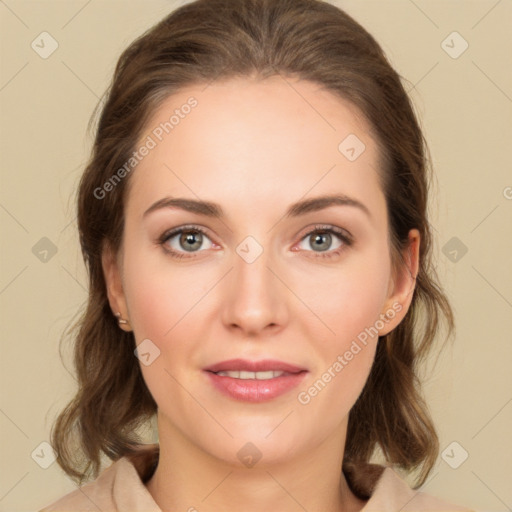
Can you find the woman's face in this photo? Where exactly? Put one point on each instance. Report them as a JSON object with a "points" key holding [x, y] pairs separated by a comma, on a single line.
{"points": [[273, 275]]}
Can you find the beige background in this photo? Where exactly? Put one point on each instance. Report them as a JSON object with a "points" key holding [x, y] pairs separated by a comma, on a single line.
{"points": [[465, 104]]}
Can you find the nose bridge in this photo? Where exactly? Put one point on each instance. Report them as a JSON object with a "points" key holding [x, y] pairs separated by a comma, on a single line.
{"points": [[252, 277], [256, 298]]}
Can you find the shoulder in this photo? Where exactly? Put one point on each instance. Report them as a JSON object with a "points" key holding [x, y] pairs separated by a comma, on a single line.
{"points": [[95, 495], [119, 488], [392, 492], [386, 491]]}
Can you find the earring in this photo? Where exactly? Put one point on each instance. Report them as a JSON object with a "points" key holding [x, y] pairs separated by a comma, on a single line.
{"points": [[120, 319]]}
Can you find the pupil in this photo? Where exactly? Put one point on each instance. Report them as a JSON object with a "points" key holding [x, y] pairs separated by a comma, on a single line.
{"points": [[188, 237], [326, 237]]}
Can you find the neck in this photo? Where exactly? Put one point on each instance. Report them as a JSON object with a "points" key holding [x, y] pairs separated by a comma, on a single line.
{"points": [[190, 479]]}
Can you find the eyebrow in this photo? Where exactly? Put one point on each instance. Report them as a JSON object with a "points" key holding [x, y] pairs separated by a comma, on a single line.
{"points": [[214, 210]]}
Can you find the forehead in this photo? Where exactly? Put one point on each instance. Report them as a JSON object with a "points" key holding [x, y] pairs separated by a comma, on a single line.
{"points": [[256, 139]]}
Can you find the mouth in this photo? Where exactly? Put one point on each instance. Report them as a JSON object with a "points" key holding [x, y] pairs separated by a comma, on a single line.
{"points": [[254, 381], [244, 375]]}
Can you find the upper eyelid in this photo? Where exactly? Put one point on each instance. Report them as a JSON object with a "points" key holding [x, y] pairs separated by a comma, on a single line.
{"points": [[187, 227], [325, 227]]}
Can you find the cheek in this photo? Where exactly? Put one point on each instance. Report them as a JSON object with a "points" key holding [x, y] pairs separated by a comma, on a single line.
{"points": [[345, 352], [159, 300], [346, 306], [345, 300], [158, 295], [164, 305]]}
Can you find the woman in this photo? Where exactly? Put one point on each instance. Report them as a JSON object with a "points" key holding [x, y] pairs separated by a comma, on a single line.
{"points": [[253, 220]]}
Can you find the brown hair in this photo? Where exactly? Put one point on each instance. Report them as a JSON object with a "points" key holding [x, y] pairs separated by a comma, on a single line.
{"points": [[208, 40]]}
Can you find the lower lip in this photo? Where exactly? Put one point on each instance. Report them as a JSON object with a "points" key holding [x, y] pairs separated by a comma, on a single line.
{"points": [[253, 390]]}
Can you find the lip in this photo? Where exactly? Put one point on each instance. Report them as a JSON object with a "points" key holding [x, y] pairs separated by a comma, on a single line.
{"points": [[254, 390], [254, 366]]}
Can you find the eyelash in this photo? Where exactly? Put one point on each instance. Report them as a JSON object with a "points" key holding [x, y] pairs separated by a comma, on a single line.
{"points": [[341, 234]]}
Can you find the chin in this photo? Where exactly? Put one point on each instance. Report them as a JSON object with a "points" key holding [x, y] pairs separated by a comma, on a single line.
{"points": [[258, 443]]}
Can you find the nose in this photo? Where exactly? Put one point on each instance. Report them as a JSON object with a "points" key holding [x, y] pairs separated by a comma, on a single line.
{"points": [[255, 300]]}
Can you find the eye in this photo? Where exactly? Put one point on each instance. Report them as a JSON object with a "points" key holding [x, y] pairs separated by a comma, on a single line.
{"points": [[321, 239], [184, 241], [187, 239]]}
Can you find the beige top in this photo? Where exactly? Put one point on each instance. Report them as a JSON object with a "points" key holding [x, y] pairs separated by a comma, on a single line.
{"points": [[120, 488]]}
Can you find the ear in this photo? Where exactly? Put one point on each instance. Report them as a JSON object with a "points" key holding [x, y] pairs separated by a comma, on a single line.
{"points": [[112, 271], [401, 285]]}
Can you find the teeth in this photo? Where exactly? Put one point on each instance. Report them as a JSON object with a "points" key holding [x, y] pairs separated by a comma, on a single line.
{"points": [[251, 375]]}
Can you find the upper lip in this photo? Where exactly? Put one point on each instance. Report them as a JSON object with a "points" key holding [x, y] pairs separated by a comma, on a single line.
{"points": [[254, 366]]}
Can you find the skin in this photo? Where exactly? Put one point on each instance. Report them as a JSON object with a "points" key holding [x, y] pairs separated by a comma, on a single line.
{"points": [[256, 147]]}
